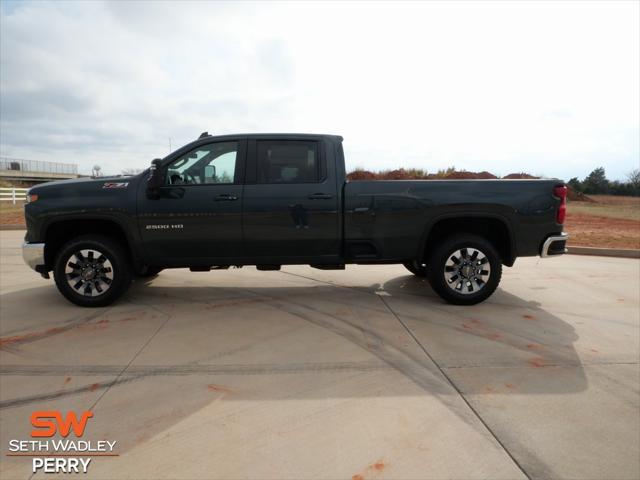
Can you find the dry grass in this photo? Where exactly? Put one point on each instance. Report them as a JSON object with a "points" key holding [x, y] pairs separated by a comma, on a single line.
{"points": [[608, 206], [11, 214], [611, 221]]}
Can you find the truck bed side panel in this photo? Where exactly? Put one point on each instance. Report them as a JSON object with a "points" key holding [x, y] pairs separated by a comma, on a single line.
{"points": [[396, 216]]}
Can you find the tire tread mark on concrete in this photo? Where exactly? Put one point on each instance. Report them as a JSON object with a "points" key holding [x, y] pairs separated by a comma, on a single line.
{"points": [[117, 379], [10, 342], [544, 365], [406, 363], [493, 301], [455, 387], [18, 402], [231, 369]]}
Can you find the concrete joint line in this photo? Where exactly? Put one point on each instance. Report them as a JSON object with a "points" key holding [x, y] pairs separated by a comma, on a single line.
{"points": [[454, 386], [115, 381], [442, 372]]}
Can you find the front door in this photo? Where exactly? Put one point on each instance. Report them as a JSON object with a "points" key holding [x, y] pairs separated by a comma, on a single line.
{"points": [[198, 218]]}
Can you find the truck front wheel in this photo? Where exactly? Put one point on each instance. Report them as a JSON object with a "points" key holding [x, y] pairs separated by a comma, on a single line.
{"points": [[464, 269], [92, 270]]}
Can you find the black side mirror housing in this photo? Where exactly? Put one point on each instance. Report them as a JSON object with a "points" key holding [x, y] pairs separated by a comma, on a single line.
{"points": [[155, 179]]}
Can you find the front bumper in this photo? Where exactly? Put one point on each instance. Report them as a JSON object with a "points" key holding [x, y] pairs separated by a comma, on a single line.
{"points": [[554, 245], [33, 255]]}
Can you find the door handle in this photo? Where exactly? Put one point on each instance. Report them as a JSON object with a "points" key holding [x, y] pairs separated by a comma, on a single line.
{"points": [[225, 197], [320, 196]]}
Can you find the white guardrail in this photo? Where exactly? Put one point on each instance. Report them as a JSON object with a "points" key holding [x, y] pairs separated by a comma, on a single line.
{"points": [[14, 195]]}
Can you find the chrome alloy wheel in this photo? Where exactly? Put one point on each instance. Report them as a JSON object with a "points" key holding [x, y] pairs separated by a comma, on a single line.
{"points": [[89, 272], [467, 271]]}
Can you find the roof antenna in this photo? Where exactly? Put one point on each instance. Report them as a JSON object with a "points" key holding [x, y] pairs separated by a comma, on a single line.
{"points": [[203, 135]]}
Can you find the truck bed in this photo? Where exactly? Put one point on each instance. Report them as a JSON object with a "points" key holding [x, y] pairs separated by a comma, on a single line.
{"points": [[389, 219]]}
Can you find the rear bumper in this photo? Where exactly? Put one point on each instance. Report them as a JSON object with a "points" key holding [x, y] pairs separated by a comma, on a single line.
{"points": [[33, 255], [554, 245]]}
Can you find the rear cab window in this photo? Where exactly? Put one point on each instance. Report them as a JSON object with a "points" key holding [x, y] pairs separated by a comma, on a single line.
{"points": [[287, 161]]}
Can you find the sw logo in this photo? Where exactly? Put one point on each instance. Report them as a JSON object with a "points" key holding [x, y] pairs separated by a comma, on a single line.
{"points": [[60, 455], [47, 423]]}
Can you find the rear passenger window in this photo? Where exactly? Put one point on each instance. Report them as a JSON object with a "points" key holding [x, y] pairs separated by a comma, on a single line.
{"points": [[285, 161]]}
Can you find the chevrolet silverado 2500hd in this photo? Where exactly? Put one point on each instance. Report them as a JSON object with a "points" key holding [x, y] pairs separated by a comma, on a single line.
{"points": [[281, 199]]}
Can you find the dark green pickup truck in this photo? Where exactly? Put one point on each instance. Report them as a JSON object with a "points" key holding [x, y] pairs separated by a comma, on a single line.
{"points": [[281, 199]]}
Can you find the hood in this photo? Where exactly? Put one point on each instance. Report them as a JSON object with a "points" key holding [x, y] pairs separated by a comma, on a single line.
{"points": [[86, 183]]}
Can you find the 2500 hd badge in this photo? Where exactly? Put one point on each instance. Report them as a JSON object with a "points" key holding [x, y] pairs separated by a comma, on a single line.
{"points": [[164, 226]]}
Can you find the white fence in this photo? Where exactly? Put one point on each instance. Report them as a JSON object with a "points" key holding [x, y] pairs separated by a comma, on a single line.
{"points": [[14, 195]]}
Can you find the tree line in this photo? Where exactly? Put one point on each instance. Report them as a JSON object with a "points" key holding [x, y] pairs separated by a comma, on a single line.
{"points": [[598, 183]]}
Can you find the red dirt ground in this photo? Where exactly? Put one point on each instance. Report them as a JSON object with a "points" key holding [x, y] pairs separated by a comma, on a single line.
{"points": [[605, 232], [13, 215]]}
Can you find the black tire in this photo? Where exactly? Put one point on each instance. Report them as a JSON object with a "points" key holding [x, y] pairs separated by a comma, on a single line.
{"points": [[150, 272], [91, 274], [416, 268], [459, 278]]}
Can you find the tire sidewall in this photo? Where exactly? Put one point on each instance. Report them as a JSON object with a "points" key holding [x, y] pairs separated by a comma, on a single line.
{"points": [[442, 254], [114, 253]]}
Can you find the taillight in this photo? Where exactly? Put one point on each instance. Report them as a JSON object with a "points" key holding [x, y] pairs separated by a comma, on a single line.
{"points": [[561, 193]]}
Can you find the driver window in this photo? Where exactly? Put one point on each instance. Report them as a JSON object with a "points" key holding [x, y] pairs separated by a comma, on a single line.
{"points": [[214, 163]]}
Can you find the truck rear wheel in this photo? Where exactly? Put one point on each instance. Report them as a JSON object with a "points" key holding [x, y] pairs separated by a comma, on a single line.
{"points": [[418, 269], [92, 271], [464, 269]]}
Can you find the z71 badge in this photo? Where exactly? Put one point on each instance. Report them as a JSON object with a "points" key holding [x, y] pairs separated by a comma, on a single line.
{"points": [[116, 185]]}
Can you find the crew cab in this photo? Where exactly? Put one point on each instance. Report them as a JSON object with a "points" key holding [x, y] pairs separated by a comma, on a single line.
{"points": [[280, 199]]}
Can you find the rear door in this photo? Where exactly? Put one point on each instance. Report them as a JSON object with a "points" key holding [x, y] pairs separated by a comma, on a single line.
{"points": [[198, 218], [290, 210]]}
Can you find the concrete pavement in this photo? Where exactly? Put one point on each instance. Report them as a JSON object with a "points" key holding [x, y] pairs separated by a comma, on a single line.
{"points": [[361, 374]]}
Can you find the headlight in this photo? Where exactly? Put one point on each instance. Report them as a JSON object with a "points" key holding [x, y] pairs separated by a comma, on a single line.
{"points": [[31, 197]]}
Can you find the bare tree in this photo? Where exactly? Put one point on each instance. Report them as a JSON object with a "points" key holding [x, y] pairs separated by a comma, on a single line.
{"points": [[634, 177]]}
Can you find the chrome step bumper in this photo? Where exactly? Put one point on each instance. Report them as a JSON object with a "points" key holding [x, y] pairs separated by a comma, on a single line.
{"points": [[33, 255], [554, 245]]}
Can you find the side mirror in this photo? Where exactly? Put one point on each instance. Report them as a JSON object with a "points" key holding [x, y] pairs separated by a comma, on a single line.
{"points": [[210, 172], [155, 179]]}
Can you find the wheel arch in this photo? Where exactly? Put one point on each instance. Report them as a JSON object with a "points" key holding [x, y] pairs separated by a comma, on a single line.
{"points": [[59, 231], [495, 228]]}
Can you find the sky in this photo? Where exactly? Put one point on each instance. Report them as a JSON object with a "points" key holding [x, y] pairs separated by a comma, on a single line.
{"points": [[548, 88]]}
